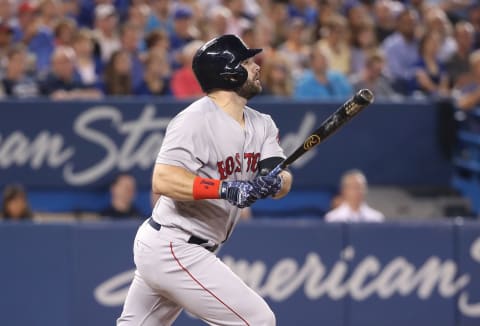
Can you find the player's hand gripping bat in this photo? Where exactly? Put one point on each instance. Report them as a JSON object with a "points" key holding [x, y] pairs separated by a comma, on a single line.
{"points": [[344, 113]]}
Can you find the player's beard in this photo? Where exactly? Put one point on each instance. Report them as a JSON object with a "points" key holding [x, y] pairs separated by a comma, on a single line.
{"points": [[249, 89]]}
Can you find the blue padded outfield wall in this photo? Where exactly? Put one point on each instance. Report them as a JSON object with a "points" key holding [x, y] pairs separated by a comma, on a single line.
{"points": [[81, 145], [67, 153], [311, 273]]}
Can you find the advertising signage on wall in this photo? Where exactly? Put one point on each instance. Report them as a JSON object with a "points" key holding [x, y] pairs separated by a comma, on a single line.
{"points": [[311, 273], [83, 144]]}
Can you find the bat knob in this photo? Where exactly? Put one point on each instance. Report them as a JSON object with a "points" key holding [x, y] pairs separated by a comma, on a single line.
{"points": [[364, 97]]}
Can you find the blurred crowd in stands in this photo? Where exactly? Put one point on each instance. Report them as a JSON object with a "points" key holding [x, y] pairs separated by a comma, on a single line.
{"points": [[313, 49]]}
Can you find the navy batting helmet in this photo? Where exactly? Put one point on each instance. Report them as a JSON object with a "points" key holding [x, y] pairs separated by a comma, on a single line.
{"points": [[217, 64]]}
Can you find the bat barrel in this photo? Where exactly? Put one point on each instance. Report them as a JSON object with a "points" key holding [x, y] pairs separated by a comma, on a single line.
{"points": [[348, 110], [363, 97]]}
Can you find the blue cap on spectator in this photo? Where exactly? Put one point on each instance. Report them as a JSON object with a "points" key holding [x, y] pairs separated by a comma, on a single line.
{"points": [[183, 12]]}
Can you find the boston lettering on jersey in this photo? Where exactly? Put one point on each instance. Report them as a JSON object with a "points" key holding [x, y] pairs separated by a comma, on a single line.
{"points": [[233, 164]]}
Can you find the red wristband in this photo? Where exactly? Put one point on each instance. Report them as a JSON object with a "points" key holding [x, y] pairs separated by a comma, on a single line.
{"points": [[204, 188]]}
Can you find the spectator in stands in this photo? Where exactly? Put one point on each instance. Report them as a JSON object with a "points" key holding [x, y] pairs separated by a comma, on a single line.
{"points": [[372, 77], [320, 82], [457, 66], [384, 19], [302, 9], [184, 84], [277, 15], [363, 43], [276, 76], [64, 32], [157, 41], [335, 45], [15, 204], [436, 21], [49, 13], [130, 39], [6, 37], [421, 7], [219, 18], [35, 35], [456, 10], [7, 11], [156, 77], [118, 74], [431, 76], [295, 49], [16, 82], [357, 15], [105, 33], [326, 10], [353, 207], [138, 15], [468, 96], [249, 36], [238, 21], [474, 19], [401, 52], [70, 9], [87, 66], [184, 30], [160, 16], [122, 196], [62, 83]]}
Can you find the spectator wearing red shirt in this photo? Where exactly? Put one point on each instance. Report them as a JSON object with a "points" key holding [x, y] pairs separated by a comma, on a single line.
{"points": [[184, 84]]}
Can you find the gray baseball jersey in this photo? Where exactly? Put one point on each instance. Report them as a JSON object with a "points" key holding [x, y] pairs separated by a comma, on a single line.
{"points": [[210, 143]]}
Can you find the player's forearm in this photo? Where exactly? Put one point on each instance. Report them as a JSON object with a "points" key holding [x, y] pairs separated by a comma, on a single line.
{"points": [[172, 181], [286, 185]]}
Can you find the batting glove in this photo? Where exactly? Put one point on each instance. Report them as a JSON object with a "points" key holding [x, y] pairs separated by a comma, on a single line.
{"points": [[267, 185], [238, 193]]}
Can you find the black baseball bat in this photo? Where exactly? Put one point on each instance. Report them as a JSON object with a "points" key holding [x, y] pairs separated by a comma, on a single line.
{"points": [[342, 115]]}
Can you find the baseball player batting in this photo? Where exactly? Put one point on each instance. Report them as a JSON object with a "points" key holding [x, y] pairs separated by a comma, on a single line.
{"points": [[206, 170]]}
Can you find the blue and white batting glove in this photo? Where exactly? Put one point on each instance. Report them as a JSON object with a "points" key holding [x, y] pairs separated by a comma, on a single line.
{"points": [[267, 185], [238, 193]]}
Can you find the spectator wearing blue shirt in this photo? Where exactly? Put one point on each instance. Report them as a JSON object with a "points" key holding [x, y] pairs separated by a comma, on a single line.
{"points": [[401, 52], [304, 10], [182, 33], [320, 82], [160, 16], [37, 36], [183, 20]]}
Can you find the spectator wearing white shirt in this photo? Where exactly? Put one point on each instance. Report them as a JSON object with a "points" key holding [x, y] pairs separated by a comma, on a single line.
{"points": [[105, 33], [353, 207]]}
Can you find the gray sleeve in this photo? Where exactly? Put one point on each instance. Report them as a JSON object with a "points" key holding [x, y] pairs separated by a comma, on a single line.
{"points": [[271, 146], [183, 145]]}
